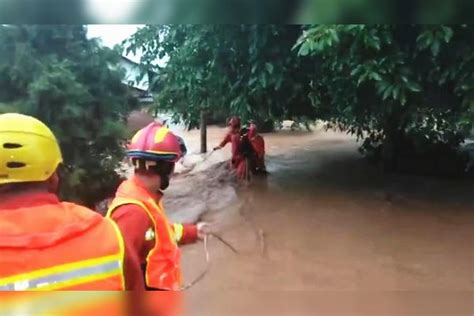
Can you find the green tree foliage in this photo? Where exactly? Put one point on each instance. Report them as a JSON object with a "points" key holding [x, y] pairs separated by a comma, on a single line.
{"points": [[404, 88], [192, 80], [74, 85], [407, 90], [246, 70]]}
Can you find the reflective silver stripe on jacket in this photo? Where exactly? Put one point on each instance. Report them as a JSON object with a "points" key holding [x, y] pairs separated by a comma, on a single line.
{"points": [[62, 277]]}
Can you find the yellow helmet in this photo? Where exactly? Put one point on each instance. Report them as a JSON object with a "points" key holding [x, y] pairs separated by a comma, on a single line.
{"points": [[29, 151]]}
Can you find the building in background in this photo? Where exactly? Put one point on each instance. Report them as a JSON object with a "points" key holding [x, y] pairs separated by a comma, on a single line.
{"points": [[139, 86]]}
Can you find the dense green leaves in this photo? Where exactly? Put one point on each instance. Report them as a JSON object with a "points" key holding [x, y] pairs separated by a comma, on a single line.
{"points": [[433, 37], [249, 70], [393, 85], [71, 83]]}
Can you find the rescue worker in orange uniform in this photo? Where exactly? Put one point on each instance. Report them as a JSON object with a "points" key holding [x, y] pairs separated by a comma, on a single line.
{"points": [[258, 145], [46, 244], [233, 136], [138, 209]]}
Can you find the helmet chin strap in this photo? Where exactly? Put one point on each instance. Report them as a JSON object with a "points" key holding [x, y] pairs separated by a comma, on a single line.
{"points": [[165, 182]]}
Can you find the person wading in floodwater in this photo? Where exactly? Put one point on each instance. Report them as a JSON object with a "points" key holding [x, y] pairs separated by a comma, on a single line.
{"points": [[237, 162], [258, 146]]}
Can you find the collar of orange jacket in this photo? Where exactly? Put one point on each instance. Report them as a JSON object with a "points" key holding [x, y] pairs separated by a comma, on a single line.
{"points": [[27, 199], [34, 220], [156, 196]]}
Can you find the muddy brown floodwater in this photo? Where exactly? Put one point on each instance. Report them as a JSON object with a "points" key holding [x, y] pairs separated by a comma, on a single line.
{"points": [[324, 221]]}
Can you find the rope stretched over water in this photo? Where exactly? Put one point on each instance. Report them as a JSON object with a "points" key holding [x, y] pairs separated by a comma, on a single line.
{"points": [[188, 170], [206, 270], [226, 243], [259, 232], [208, 259]]}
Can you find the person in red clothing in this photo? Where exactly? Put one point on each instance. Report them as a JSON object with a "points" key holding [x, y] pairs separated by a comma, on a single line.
{"points": [[233, 136], [258, 145], [40, 235], [138, 209]]}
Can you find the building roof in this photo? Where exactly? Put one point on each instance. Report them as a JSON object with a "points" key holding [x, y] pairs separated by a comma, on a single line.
{"points": [[132, 73]]}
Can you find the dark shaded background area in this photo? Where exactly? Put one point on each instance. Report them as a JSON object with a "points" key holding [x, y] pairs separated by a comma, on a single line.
{"points": [[240, 11]]}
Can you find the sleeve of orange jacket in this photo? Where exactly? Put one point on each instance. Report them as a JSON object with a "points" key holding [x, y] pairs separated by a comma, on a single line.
{"points": [[133, 224], [185, 233], [225, 141]]}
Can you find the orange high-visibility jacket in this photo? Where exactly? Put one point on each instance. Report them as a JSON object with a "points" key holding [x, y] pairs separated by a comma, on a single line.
{"points": [[64, 303], [162, 263], [91, 303], [59, 246]]}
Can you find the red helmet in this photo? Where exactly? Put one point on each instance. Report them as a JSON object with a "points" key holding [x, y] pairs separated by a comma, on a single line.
{"points": [[234, 121], [155, 143]]}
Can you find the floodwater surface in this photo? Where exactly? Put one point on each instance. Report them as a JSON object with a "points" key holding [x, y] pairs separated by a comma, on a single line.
{"points": [[324, 220]]}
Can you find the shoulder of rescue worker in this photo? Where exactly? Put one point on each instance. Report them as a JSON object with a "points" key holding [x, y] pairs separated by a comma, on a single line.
{"points": [[79, 209], [127, 210], [129, 207]]}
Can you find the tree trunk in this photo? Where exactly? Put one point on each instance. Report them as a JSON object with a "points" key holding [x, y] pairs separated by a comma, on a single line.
{"points": [[203, 128]]}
